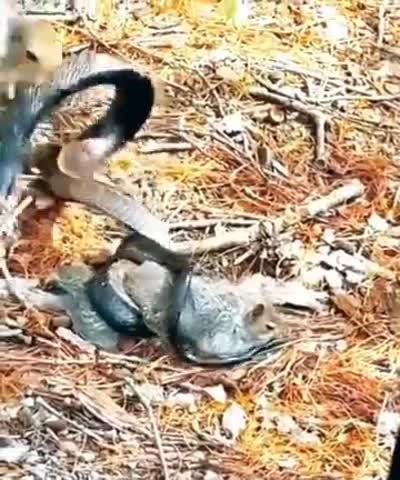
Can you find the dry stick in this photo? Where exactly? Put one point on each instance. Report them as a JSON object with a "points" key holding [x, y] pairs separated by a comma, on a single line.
{"points": [[241, 237], [11, 287], [381, 25], [156, 431], [107, 418], [210, 222], [74, 424], [318, 117], [128, 361], [11, 217], [6, 229], [350, 191], [337, 81], [167, 147], [366, 97]]}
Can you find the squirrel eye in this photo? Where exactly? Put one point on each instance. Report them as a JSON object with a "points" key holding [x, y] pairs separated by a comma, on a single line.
{"points": [[31, 57]]}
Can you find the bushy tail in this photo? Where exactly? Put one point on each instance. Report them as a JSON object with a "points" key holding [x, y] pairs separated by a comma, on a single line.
{"points": [[130, 108]]}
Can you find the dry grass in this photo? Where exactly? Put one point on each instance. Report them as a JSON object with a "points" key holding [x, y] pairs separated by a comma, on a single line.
{"points": [[336, 395]]}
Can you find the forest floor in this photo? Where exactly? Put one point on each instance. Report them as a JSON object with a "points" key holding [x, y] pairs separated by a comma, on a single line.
{"points": [[259, 120]]}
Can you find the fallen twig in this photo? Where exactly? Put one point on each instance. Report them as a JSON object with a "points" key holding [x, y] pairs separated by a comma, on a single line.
{"points": [[167, 147], [157, 435], [381, 26], [244, 236], [11, 287], [341, 195], [319, 118], [74, 424], [7, 230], [210, 222], [104, 411]]}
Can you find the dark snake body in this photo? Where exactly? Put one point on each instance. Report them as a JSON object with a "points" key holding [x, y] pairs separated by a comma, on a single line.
{"points": [[29, 117]]}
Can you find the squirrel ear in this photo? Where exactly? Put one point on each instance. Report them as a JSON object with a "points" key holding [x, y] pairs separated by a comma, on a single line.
{"points": [[264, 316], [257, 311]]}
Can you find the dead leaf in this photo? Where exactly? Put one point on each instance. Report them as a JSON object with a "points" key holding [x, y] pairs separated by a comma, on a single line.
{"points": [[154, 394], [277, 114], [347, 304], [70, 447], [217, 393], [75, 340], [12, 451]]}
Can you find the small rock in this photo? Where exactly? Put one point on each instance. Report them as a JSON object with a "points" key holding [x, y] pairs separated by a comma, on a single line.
{"points": [[355, 278], [69, 447], [217, 393], [341, 345], [234, 420], [154, 394], [336, 28], [377, 223], [231, 124], [288, 463], [88, 457], [334, 279], [39, 472], [307, 438], [12, 451], [313, 277], [286, 424], [388, 422], [229, 74], [276, 115], [211, 475], [183, 400]]}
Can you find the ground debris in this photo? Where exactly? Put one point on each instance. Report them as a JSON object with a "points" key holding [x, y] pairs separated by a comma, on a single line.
{"points": [[277, 158]]}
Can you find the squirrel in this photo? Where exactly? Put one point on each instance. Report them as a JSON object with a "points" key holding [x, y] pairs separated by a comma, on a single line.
{"points": [[149, 289], [205, 320]]}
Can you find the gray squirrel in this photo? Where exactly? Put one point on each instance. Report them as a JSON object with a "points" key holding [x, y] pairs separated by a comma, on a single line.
{"points": [[147, 289]]}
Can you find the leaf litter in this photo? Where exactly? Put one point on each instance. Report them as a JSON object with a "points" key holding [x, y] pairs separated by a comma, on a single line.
{"points": [[278, 155]]}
